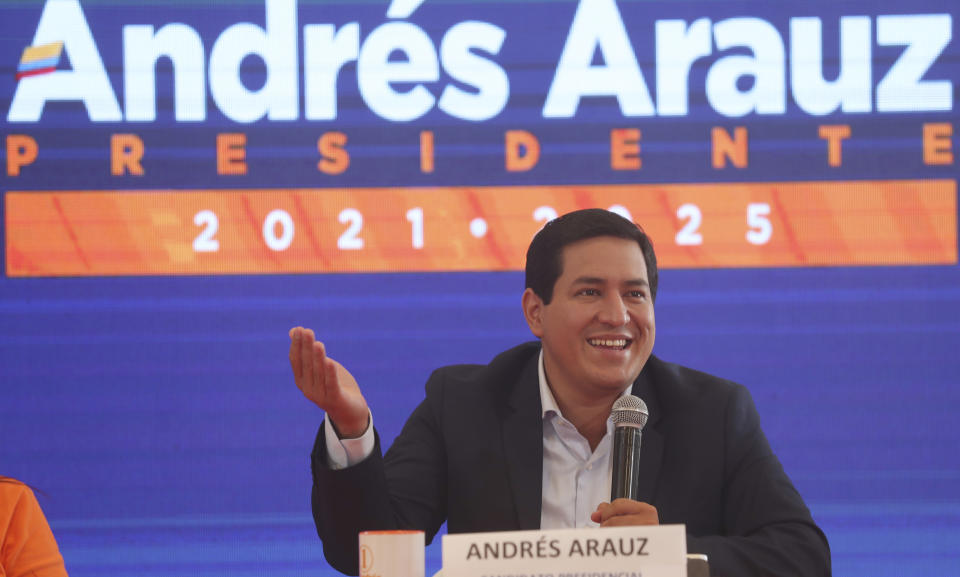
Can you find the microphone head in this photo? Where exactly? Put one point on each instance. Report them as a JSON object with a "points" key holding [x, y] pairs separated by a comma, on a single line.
{"points": [[629, 411]]}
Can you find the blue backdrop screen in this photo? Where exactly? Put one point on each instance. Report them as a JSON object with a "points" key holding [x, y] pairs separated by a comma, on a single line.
{"points": [[185, 182]]}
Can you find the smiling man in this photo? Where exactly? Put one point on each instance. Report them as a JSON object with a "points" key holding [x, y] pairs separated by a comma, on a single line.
{"points": [[524, 442], [596, 327]]}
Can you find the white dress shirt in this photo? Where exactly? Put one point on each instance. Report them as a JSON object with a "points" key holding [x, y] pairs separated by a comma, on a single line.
{"points": [[575, 479]]}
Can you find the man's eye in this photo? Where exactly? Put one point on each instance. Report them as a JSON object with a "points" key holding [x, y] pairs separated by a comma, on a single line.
{"points": [[638, 294], [590, 292]]}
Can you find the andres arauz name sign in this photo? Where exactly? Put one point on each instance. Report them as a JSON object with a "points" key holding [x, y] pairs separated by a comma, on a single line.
{"points": [[658, 551]]}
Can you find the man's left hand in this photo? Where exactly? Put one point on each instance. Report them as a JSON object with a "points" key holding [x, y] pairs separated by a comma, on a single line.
{"points": [[625, 512]]}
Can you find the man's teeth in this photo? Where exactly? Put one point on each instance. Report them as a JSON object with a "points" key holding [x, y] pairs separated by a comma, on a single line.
{"points": [[618, 343]]}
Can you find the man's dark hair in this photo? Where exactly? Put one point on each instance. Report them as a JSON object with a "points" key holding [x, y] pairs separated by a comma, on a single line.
{"points": [[545, 254]]}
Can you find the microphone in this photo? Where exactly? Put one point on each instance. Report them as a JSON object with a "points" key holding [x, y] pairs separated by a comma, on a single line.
{"points": [[629, 415]]}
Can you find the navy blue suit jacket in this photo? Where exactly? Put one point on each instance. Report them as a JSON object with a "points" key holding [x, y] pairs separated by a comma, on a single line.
{"points": [[471, 454]]}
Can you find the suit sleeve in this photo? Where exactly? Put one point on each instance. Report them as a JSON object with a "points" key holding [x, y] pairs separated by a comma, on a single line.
{"points": [[768, 530], [404, 489]]}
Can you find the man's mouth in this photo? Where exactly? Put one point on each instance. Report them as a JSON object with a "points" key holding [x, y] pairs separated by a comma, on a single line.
{"points": [[611, 344]]}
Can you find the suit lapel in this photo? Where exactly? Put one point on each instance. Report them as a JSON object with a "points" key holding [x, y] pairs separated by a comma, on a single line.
{"points": [[522, 428], [651, 444]]}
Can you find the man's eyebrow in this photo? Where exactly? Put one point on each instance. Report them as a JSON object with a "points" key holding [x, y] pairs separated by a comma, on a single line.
{"points": [[589, 280], [599, 280]]}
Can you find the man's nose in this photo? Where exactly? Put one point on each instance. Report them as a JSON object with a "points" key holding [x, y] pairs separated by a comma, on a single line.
{"points": [[613, 311]]}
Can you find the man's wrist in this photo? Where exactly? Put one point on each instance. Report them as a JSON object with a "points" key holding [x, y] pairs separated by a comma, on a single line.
{"points": [[354, 433], [345, 452]]}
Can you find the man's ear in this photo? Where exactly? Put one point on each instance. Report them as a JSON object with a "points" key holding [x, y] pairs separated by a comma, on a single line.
{"points": [[533, 312]]}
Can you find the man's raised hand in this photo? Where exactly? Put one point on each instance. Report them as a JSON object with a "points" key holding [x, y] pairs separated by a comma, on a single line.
{"points": [[325, 382]]}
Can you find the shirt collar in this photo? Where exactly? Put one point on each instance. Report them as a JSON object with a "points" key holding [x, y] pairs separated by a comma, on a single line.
{"points": [[547, 401]]}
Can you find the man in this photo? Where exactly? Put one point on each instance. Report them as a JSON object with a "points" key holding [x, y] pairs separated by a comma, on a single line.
{"points": [[524, 442]]}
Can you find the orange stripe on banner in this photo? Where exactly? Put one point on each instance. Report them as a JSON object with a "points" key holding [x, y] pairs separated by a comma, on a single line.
{"points": [[788, 233], [103, 233]]}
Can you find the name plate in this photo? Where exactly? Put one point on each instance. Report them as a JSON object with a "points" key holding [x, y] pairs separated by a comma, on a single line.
{"points": [[649, 551]]}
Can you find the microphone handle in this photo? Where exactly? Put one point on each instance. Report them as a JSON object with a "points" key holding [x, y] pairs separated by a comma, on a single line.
{"points": [[626, 462]]}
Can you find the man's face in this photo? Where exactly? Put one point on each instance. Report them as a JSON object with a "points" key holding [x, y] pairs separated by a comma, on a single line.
{"points": [[598, 329]]}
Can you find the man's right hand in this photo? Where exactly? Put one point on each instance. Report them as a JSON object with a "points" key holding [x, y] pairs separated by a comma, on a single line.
{"points": [[330, 386]]}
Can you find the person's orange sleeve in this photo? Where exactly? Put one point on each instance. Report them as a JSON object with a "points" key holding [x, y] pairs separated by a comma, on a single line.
{"points": [[27, 545]]}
